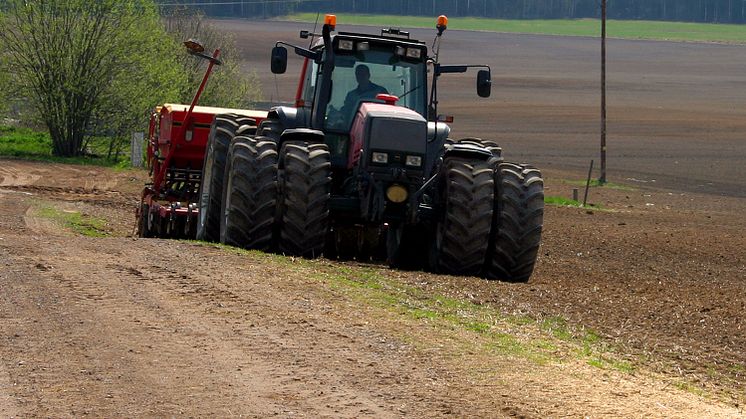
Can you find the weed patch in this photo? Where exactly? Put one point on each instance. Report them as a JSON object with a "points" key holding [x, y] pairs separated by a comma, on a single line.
{"points": [[82, 224]]}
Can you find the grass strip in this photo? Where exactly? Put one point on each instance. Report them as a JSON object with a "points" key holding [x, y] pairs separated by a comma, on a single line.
{"points": [[27, 144], [83, 224], [623, 29]]}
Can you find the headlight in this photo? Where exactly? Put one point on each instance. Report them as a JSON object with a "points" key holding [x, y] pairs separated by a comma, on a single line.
{"points": [[415, 161], [346, 45], [415, 53], [380, 158], [396, 193]]}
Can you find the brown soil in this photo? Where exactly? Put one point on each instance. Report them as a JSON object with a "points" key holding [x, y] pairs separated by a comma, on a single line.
{"points": [[131, 327], [120, 326]]}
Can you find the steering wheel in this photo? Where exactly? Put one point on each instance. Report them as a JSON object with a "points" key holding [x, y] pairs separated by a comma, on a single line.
{"points": [[334, 117]]}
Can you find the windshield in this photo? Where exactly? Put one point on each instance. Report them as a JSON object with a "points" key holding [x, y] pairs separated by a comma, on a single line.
{"points": [[361, 76]]}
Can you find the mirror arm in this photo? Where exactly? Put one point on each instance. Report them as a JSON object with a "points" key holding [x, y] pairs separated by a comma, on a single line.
{"points": [[303, 52], [444, 69]]}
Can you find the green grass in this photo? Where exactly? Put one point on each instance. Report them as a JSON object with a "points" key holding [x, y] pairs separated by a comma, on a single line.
{"points": [[627, 29], [539, 341], [82, 224], [560, 201], [27, 144]]}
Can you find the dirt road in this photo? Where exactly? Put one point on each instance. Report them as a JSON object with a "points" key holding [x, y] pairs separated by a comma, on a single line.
{"points": [[118, 326]]}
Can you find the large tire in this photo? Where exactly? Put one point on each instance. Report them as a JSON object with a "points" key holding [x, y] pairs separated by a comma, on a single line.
{"points": [[246, 126], [517, 224], [271, 128], [463, 231], [222, 131], [250, 194], [305, 186]]}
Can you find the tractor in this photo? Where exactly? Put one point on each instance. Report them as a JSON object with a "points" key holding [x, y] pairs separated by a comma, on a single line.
{"points": [[362, 166]]}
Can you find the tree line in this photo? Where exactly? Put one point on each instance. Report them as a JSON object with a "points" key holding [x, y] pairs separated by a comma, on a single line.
{"points": [[91, 71], [711, 11]]}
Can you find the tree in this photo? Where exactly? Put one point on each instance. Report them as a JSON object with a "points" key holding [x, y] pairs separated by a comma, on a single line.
{"points": [[72, 58], [229, 85]]}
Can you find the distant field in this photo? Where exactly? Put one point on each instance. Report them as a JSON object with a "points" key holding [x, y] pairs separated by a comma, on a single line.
{"points": [[628, 29]]}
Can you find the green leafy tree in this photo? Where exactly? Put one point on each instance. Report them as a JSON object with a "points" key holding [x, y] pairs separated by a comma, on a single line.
{"points": [[85, 63], [4, 86], [229, 85]]}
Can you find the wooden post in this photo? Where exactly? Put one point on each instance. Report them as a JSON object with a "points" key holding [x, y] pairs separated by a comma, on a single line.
{"points": [[602, 178], [588, 185]]}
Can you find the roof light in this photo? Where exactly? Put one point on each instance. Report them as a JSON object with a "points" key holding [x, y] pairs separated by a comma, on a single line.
{"points": [[441, 24], [399, 50], [414, 53], [330, 20], [363, 46]]}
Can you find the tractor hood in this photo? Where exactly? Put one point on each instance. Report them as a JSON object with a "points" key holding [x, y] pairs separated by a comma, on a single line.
{"points": [[397, 131]]}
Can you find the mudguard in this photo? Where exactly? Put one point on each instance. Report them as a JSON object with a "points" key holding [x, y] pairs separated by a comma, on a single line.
{"points": [[467, 150], [289, 116]]}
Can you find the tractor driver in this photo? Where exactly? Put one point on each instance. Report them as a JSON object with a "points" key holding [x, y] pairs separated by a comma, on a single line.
{"points": [[365, 89]]}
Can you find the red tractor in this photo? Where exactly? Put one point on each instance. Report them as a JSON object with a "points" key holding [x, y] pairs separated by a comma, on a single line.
{"points": [[362, 166], [176, 143]]}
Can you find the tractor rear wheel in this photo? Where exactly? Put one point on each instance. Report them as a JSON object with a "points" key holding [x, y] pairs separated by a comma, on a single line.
{"points": [[222, 131], [518, 221], [250, 194], [246, 126], [463, 231], [305, 185], [271, 128]]}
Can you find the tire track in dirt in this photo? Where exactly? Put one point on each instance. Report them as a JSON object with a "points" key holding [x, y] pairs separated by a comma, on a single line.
{"points": [[12, 175], [8, 404]]}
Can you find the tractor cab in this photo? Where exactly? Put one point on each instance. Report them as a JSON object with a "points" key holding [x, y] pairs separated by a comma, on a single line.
{"points": [[353, 69]]}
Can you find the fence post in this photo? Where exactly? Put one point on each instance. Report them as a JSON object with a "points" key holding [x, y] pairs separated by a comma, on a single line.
{"points": [[137, 143]]}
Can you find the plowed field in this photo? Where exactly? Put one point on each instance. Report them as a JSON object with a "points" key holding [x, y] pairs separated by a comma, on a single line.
{"points": [[636, 309]]}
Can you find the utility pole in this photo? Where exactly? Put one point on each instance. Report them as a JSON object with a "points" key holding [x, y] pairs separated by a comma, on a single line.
{"points": [[602, 178]]}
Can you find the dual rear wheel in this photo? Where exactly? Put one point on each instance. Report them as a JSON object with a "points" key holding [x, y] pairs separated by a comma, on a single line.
{"points": [[272, 200], [489, 223]]}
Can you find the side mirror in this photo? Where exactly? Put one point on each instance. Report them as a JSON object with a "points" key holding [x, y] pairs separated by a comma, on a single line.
{"points": [[484, 83], [279, 61]]}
